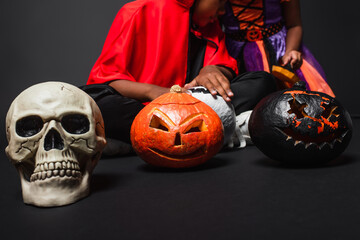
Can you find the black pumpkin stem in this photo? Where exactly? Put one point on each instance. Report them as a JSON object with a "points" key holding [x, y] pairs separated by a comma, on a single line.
{"points": [[300, 85]]}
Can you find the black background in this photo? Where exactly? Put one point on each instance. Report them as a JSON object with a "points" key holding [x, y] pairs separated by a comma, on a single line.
{"points": [[239, 194]]}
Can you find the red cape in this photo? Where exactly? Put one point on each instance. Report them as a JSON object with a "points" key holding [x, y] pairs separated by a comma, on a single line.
{"points": [[148, 43]]}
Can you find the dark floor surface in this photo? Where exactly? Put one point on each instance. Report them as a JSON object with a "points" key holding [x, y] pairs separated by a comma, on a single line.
{"points": [[236, 195]]}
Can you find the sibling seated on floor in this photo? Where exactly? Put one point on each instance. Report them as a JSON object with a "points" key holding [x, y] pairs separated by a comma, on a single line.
{"points": [[155, 44]]}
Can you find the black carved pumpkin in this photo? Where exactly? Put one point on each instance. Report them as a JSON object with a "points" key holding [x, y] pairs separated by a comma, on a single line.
{"points": [[299, 126]]}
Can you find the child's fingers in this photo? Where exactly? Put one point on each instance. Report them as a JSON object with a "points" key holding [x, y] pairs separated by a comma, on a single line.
{"points": [[285, 61], [191, 84]]}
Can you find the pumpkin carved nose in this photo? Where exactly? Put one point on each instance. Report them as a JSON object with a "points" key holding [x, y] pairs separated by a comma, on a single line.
{"points": [[177, 139]]}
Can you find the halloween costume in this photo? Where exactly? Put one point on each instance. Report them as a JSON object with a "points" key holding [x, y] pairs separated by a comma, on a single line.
{"points": [[255, 35], [152, 41], [148, 43]]}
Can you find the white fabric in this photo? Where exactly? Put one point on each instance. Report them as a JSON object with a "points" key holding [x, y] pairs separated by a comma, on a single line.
{"points": [[241, 133]]}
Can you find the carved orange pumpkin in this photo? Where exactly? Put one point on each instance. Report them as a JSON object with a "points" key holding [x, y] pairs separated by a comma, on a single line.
{"points": [[176, 130]]}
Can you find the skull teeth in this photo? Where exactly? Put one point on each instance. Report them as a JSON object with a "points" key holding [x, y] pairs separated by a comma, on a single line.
{"points": [[56, 166], [53, 169], [48, 174]]}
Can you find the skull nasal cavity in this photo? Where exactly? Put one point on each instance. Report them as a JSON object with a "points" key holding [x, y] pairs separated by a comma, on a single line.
{"points": [[53, 140], [177, 139]]}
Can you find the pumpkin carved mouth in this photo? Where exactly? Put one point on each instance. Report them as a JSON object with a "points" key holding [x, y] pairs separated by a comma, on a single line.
{"points": [[318, 143], [190, 156]]}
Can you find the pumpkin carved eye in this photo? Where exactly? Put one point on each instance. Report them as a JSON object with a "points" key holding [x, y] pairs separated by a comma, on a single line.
{"points": [[193, 129], [297, 108], [158, 123], [197, 123], [196, 126], [328, 112]]}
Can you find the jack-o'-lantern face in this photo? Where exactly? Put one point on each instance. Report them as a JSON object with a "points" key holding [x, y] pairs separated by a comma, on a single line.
{"points": [[313, 119], [299, 126], [176, 130], [254, 35], [178, 137]]}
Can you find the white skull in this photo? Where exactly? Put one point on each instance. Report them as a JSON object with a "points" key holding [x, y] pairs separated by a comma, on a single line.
{"points": [[56, 135], [224, 110]]}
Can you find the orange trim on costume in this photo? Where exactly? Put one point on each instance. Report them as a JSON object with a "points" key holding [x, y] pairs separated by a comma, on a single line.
{"points": [[248, 12], [314, 79], [261, 47]]}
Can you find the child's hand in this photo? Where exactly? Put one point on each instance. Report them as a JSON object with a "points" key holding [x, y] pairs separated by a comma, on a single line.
{"points": [[214, 80], [294, 58]]}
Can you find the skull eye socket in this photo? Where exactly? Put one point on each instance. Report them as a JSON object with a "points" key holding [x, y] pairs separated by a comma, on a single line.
{"points": [[158, 123], [75, 123], [196, 126], [29, 126]]}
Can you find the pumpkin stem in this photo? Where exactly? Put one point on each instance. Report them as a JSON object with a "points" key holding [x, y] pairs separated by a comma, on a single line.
{"points": [[176, 89], [300, 85]]}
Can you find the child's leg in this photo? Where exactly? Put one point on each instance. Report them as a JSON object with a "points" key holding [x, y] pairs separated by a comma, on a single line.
{"points": [[249, 88], [118, 113]]}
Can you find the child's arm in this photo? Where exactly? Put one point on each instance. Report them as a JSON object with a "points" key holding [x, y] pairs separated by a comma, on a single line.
{"points": [[292, 17], [142, 92]]}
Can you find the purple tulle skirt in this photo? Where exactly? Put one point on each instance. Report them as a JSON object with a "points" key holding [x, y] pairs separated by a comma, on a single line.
{"points": [[311, 72]]}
